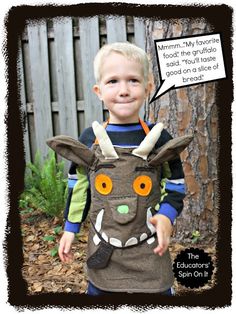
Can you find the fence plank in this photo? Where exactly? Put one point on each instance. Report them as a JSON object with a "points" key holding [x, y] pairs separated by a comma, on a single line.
{"points": [[65, 76], [139, 33], [24, 108], [116, 29], [38, 52], [89, 45]]}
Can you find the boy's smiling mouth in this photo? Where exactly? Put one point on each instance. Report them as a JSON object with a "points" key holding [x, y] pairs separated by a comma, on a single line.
{"points": [[123, 102]]}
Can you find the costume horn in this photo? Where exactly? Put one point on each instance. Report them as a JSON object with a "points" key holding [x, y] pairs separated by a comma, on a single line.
{"points": [[104, 141], [149, 142]]}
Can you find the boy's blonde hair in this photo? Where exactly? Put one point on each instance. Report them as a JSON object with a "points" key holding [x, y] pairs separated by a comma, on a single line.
{"points": [[126, 49]]}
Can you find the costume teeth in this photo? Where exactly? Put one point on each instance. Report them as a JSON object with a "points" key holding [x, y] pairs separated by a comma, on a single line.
{"points": [[131, 241], [105, 237], [96, 239], [151, 240], [143, 237], [115, 242], [98, 224]]}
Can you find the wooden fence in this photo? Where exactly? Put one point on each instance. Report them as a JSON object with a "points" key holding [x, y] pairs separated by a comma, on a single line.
{"points": [[56, 74]]}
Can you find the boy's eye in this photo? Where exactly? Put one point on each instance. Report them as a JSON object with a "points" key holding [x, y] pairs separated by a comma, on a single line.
{"points": [[133, 80], [112, 82]]}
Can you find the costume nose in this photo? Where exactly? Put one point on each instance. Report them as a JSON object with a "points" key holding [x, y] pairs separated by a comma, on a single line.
{"points": [[123, 209]]}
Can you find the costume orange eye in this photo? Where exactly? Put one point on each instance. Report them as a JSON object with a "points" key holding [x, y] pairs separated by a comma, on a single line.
{"points": [[142, 185], [103, 184]]}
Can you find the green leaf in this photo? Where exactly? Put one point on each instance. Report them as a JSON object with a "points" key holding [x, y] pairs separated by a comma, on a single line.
{"points": [[49, 238], [54, 251], [195, 236], [57, 229]]}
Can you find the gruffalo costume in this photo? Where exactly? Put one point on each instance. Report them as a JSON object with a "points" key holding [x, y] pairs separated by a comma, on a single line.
{"points": [[125, 188]]}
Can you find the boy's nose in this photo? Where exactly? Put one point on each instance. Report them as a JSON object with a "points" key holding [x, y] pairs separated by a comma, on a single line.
{"points": [[124, 89]]}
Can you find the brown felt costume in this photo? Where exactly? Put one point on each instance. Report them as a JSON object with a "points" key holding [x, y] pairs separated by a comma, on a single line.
{"points": [[124, 193]]}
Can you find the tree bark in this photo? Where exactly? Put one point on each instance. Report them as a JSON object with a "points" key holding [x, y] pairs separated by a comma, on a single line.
{"points": [[187, 110]]}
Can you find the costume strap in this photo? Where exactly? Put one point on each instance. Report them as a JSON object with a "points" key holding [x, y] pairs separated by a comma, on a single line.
{"points": [[143, 124]]}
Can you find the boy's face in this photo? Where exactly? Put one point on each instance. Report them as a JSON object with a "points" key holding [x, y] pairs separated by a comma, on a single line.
{"points": [[122, 88]]}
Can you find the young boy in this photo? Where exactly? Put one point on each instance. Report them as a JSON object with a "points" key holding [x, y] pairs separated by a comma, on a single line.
{"points": [[123, 82]]}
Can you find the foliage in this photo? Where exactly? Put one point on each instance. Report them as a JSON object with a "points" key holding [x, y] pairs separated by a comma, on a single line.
{"points": [[52, 238], [54, 251], [195, 236], [45, 186], [25, 206]]}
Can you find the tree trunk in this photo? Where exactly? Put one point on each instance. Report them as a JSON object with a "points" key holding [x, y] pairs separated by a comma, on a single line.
{"points": [[187, 110]]}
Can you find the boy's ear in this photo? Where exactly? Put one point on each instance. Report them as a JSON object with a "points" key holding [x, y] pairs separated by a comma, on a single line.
{"points": [[171, 150], [97, 91], [150, 85], [72, 150]]}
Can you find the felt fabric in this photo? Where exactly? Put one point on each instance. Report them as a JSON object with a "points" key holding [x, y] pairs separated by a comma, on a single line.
{"points": [[171, 149], [146, 146], [105, 143], [71, 149], [121, 216], [133, 267]]}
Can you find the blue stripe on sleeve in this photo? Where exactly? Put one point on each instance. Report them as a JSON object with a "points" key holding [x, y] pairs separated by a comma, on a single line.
{"points": [[175, 187], [72, 227], [71, 183], [169, 211]]}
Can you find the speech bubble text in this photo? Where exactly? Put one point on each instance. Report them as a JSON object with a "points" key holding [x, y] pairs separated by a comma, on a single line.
{"points": [[188, 61]]}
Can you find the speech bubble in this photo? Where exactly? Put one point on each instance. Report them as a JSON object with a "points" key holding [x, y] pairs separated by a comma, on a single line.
{"points": [[189, 60]]}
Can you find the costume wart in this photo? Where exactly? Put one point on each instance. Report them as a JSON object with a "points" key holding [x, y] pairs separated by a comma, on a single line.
{"points": [[125, 187]]}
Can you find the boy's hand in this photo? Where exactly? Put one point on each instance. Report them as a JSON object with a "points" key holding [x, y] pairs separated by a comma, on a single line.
{"points": [[164, 230], [64, 250]]}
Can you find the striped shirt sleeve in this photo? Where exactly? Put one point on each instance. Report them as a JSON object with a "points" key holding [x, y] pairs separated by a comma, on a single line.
{"points": [[172, 186], [78, 185]]}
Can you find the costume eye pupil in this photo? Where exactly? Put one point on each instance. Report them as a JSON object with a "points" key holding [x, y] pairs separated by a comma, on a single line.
{"points": [[142, 185], [104, 185]]}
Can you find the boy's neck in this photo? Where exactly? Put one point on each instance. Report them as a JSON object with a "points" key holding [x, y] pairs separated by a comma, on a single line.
{"points": [[113, 120]]}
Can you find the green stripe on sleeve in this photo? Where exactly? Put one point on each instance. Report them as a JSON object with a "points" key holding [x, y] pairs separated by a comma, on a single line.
{"points": [[79, 196]]}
